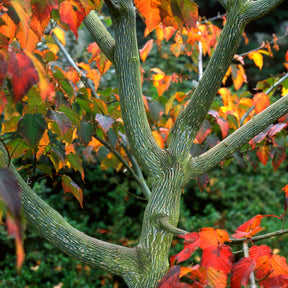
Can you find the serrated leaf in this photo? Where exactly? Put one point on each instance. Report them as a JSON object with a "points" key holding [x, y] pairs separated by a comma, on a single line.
{"points": [[241, 272], [69, 186], [31, 127]]}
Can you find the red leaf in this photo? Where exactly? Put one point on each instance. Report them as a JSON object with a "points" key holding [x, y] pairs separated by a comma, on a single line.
{"points": [[223, 124], [171, 279], [15, 229], [220, 258], [72, 13], [203, 180], [279, 265], [249, 228], [256, 252], [278, 155], [259, 137], [276, 128], [263, 154], [191, 243], [241, 272], [23, 74], [203, 132], [277, 281]]}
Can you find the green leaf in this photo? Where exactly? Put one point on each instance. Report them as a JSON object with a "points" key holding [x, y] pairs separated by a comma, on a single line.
{"points": [[64, 123], [86, 132], [69, 186], [31, 127], [71, 114], [76, 163]]}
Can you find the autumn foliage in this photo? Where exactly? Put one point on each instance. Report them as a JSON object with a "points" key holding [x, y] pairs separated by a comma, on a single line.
{"points": [[50, 116]]}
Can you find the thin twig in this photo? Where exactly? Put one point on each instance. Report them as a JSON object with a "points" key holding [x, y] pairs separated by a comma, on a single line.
{"points": [[277, 83], [141, 182], [260, 237], [246, 115], [164, 224], [86, 81], [262, 45]]}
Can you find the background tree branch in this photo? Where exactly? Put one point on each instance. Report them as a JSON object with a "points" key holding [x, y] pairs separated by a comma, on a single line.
{"points": [[236, 140]]}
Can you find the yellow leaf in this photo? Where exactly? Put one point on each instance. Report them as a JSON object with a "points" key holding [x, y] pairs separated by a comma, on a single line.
{"points": [[60, 34], [257, 58]]}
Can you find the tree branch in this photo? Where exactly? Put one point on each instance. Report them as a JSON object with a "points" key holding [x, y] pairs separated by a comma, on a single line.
{"points": [[188, 123], [259, 8], [87, 82], [190, 120], [236, 140], [140, 181], [164, 224], [127, 65], [54, 228], [260, 237], [100, 34]]}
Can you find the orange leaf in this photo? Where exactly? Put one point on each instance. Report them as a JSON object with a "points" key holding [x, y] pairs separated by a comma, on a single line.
{"points": [[146, 50], [249, 228], [240, 77], [72, 13], [159, 139], [216, 278], [279, 265], [260, 101], [263, 154], [69, 186]]}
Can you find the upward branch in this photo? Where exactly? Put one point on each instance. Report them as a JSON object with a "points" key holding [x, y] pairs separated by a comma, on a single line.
{"points": [[188, 123], [127, 65]]}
